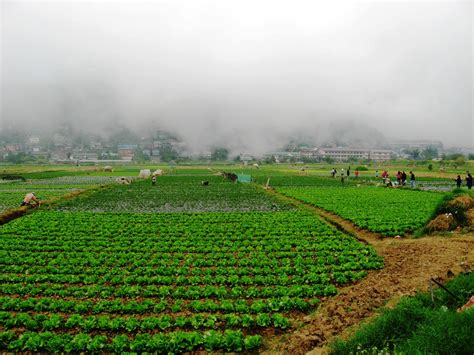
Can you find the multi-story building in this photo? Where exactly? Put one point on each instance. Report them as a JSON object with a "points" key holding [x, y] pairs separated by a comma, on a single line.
{"points": [[344, 154]]}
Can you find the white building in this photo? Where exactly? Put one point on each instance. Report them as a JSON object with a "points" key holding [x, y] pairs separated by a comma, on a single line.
{"points": [[344, 154]]}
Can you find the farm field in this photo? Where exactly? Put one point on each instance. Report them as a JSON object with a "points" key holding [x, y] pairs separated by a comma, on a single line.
{"points": [[12, 193], [179, 266], [166, 282], [382, 210], [178, 194]]}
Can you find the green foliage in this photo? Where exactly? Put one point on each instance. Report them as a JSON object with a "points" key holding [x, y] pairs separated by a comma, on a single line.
{"points": [[414, 153], [105, 273], [219, 154], [99, 273], [430, 153], [178, 194], [382, 210], [167, 153], [415, 325]]}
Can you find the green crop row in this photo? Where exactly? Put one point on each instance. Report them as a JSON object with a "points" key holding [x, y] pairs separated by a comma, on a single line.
{"points": [[299, 267], [55, 321], [53, 304], [175, 342], [179, 292]]}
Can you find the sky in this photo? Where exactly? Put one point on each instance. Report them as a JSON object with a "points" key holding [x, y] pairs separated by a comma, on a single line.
{"points": [[241, 73]]}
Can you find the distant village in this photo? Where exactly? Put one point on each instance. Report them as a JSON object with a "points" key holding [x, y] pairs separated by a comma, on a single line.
{"points": [[162, 146]]}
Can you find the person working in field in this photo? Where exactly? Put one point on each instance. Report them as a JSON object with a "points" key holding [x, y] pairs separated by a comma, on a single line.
{"points": [[29, 199]]}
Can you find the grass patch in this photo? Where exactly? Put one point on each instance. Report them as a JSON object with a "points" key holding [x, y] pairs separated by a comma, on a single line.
{"points": [[416, 325]]}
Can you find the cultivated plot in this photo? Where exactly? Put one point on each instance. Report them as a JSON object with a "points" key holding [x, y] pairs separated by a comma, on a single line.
{"points": [[166, 282], [381, 210], [178, 194]]}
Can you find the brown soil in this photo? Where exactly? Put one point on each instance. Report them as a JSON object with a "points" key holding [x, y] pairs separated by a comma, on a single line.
{"points": [[409, 264], [470, 217], [443, 222], [462, 201]]}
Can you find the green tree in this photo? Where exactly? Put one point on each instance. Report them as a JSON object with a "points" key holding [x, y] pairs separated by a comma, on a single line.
{"points": [[219, 153], [414, 153], [167, 153], [328, 160], [430, 153], [19, 158]]}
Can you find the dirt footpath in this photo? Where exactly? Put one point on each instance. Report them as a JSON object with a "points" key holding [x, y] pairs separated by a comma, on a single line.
{"points": [[409, 264]]}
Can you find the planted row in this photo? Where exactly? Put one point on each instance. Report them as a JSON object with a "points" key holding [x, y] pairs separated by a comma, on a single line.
{"points": [[47, 322], [175, 342], [50, 304], [322, 278], [178, 292]]}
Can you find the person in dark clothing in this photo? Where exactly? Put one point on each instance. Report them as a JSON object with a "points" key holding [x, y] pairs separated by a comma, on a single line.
{"points": [[469, 181], [458, 181], [412, 180], [404, 178]]}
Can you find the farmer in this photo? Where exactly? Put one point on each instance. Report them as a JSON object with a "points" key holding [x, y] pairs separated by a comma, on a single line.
{"points": [[29, 199], [412, 180], [342, 177], [404, 178], [399, 177], [458, 181], [356, 173], [153, 180], [469, 181]]}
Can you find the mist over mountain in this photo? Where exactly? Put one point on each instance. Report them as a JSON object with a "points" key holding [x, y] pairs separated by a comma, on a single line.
{"points": [[246, 75]]}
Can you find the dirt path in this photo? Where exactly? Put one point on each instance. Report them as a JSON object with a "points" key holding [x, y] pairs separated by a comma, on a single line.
{"points": [[409, 264]]}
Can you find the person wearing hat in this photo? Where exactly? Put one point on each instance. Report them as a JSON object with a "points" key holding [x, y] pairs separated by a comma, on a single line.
{"points": [[29, 198]]}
